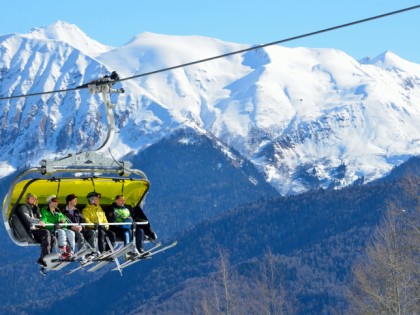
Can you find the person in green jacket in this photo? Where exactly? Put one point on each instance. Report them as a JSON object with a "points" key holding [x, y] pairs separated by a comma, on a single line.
{"points": [[120, 212], [52, 215]]}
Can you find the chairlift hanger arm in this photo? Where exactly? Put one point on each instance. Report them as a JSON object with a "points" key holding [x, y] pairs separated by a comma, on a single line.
{"points": [[105, 87], [95, 161]]}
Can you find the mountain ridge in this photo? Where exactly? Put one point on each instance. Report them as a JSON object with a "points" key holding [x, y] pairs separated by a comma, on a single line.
{"points": [[291, 111], [315, 237]]}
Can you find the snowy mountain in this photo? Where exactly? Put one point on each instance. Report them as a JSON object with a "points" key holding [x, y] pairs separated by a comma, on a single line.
{"points": [[70, 34], [306, 118]]}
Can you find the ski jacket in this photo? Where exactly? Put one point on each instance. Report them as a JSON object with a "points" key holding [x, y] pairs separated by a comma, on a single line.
{"points": [[76, 217], [116, 213], [23, 220], [53, 218], [95, 214], [29, 215]]}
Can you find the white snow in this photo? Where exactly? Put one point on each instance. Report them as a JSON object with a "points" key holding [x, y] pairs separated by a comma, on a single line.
{"points": [[70, 34], [288, 110], [6, 169]]}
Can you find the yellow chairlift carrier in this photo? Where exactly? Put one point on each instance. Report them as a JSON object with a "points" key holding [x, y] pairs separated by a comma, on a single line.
{"points": [[134, 190], [79, 174]]}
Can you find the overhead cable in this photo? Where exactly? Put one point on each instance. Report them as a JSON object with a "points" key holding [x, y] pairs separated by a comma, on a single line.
{"points": [[231, 53]]}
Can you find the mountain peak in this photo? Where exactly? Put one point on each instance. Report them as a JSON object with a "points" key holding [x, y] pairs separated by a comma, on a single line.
{"points": [[389, 60], [70, 34]]}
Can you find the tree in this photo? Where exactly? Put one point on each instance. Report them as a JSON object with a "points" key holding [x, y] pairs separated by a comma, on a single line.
{"points": [[220, 299], [387, 279], [273, 296], [231, 293]]}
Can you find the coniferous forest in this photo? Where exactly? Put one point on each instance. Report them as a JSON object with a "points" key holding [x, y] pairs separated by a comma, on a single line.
{"points": [[245, 250]]}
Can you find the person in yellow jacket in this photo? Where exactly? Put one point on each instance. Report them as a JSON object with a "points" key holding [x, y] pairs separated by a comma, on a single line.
{"points": [[94, 214]]}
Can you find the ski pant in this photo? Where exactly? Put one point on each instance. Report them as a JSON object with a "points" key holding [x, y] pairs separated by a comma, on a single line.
{"points": [[83, 237], [89, 235], [80, 240], [46, 239], [139, 239], [122, 233], [126, 235], [102, 244], [64, 237]]}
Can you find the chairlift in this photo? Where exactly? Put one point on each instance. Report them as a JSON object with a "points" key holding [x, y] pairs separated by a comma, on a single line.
{"points": [[81, 174]]}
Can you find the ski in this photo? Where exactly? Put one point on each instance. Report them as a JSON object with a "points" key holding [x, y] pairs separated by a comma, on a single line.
{"points": [[113, 256], [82, 265], [137, 257], [148, 254], [121, 251], [102, 261], [101, 258], [61, 265], [55, 263], [85, 263]]}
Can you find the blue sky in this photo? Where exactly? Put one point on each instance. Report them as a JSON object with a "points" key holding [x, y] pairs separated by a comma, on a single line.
{"points": [[249, 22]]}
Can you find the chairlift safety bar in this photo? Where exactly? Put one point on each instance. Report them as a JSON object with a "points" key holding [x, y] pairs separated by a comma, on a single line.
{"points": [[94, 224]]}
